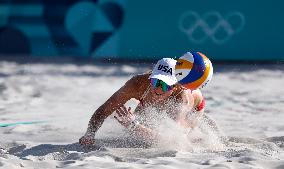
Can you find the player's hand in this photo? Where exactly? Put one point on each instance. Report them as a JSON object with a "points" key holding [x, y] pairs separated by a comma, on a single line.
{"points": [[87, 139], [124, 116]]}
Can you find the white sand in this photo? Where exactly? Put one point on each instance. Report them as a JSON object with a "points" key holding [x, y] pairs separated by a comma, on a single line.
{"points": [[247, 102]]}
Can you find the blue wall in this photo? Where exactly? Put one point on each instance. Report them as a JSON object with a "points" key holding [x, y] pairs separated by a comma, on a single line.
{"points": [[133, 30]]}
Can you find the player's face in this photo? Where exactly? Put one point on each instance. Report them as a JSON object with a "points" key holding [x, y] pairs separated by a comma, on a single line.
{"points": [[160, 87]]}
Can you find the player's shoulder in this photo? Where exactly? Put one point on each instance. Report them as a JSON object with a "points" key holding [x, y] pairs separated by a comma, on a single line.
{"points": [[140, 78], [137, 82]]}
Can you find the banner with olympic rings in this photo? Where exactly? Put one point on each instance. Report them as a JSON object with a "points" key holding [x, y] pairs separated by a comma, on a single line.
{"points": [[142, 30]]}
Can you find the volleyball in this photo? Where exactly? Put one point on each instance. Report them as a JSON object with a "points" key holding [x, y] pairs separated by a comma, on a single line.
{"points": [[194, 70]]}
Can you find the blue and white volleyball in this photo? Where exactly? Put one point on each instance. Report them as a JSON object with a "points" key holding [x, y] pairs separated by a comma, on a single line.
{"points": [[194, 70]]}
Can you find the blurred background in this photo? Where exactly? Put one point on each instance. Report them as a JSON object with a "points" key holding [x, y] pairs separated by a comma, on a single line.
{"points": [[126, 30]]}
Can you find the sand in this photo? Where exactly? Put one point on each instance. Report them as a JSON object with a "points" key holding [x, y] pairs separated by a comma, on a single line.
{"points": [[45, 109]]}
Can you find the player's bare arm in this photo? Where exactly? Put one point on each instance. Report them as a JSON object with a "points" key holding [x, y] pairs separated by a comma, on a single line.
{"points": [[118, 99]]}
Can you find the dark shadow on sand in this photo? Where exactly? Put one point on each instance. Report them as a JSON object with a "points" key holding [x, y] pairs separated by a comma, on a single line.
{"points": [[101, 145]]}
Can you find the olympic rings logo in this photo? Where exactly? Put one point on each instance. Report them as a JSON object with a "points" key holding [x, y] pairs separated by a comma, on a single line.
{"points": [[211, 25]]}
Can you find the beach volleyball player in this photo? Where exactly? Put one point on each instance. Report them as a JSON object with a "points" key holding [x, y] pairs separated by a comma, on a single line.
{"points": [[158, 88]]}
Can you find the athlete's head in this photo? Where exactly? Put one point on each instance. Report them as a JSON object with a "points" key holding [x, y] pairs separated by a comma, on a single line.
{"points": [[163, 75], [194, 70]]}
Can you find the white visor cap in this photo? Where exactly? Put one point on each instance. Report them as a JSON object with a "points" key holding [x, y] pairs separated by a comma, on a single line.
{"points": [[165, 71]]}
